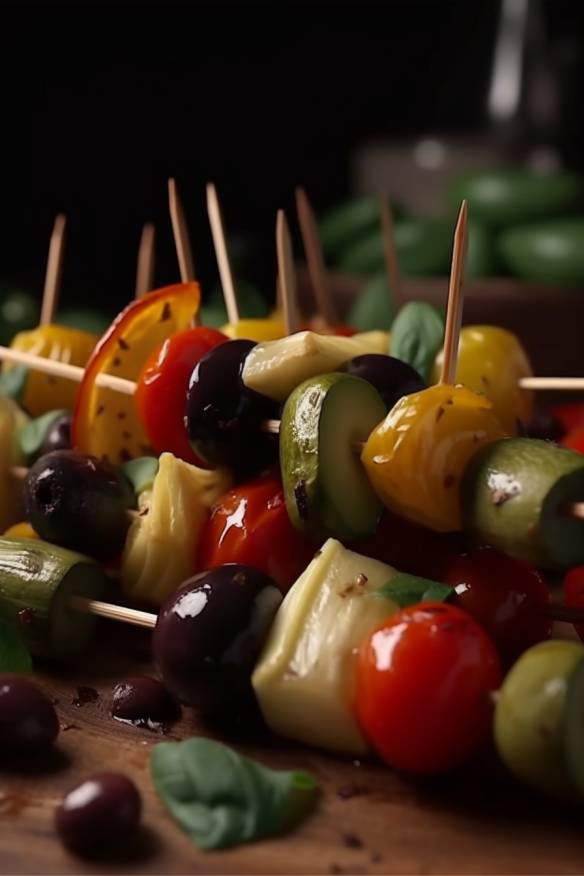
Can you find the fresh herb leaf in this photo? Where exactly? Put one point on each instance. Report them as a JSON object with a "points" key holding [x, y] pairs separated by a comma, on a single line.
{"points": [[32, 435], [407, 590], [13, 382], [14, 656], [221, 799], [141, 472], [417, 335]]}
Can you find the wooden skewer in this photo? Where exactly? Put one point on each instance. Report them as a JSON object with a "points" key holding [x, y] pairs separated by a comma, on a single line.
{"points": [[576, 509], [222, 254], [390, 253], [113, 612], [182, 243], [54, 271], [64, 369], [145, 265], [560, 383], [315, 258], [455, 299], [148, 620], [286, 273]]}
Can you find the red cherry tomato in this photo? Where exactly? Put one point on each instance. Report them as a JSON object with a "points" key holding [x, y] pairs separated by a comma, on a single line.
{"points": [[508, 598], [574, 593], [574, 439], [571, 415], [423, 684], [411, 548], [162, 389], [250, 525]]}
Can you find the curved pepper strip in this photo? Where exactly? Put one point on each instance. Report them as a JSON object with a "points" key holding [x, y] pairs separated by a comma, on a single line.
{"points": [[105, 422], [45, 392]]}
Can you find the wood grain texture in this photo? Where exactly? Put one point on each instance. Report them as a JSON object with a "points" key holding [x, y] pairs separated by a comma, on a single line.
{"points": [[369, 820]]}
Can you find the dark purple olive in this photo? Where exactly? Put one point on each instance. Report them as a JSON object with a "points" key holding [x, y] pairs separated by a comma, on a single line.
{"points": [[79, 502], [143, 701], [224, 417], [545, 426], [28, 721], [58, 435], [99, 814], [208, 636], [391, 377]]}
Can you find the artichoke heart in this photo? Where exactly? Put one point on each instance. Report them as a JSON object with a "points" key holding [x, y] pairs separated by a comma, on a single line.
{"points": [[161, 547], [304, 678]]}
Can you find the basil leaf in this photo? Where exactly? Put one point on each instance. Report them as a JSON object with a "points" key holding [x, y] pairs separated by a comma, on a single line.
{"points": [[141, 472], [417, 335], [13, 382], [407, 590], [221, 799], [32, 435], [14, 656]]}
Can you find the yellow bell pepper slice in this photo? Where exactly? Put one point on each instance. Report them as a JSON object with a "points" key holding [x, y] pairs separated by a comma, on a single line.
{"points": [[416, 457], [255, 329], [11, 420], [491, 362], [105, 422], [44, 392], [20, 530]]}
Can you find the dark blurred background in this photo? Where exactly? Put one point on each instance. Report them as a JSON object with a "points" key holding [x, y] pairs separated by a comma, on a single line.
{"points": [[101, 104]]}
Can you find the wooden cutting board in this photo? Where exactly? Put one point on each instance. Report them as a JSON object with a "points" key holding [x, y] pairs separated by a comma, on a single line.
{"points": [[368, 819]]}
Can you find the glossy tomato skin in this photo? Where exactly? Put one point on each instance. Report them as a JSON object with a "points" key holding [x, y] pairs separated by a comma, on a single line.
{"points": [[424, 680], [574, 593], [162, 390], [574, 439], [508, 598], [250, 525]]}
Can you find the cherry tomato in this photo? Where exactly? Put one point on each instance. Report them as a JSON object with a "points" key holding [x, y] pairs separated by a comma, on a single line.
{"points": [[574, 439], [570, 415], [423, 684], [574, 593], [162, 389], [250, 525], [411, 548], [508, 598]]}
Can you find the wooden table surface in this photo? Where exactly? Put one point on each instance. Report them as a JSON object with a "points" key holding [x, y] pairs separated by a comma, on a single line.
{"points": [[368, 820]]}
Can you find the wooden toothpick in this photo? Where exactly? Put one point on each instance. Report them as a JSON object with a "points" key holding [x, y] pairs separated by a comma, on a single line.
{"points": [[54, 271], [286, 273], [560, 383], [390, 252], [182, 243], [222, 254], [315, 258], [145, 264], [455, 299]]}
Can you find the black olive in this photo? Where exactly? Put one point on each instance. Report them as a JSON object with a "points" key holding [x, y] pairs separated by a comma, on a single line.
{"points": [[545, 426], [224, 417], [391, 377], [79, 502], [143, 701], [209, 634], [98, 814], [58, 435], [28, 721]]}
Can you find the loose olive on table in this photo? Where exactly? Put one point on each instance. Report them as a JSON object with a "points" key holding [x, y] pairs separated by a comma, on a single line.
{"points": [[79, 502], [100, 813], [28, 721], [208, 636], [143, 701]]}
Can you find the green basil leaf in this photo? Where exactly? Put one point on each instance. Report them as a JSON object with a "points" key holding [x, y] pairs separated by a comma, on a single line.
{"points": [[31, 436], [221, 799], [13, 382], [14, 656], [417, 335], [141, 472], [407, 590]]}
